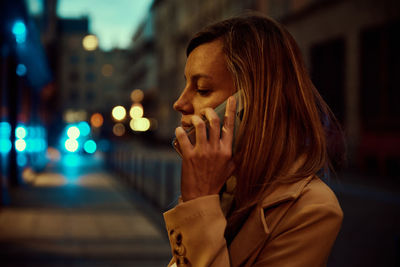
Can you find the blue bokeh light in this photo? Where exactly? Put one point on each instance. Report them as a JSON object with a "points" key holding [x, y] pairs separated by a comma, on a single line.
{"points": [[19, 31], [90, 146], [5, 130], [35, 145], [21, 70], [71, 160], [5, 146], [84, 128], [22, 160]]}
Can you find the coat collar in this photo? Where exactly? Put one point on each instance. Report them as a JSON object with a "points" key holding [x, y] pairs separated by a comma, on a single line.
{"points": [[255, 230]]}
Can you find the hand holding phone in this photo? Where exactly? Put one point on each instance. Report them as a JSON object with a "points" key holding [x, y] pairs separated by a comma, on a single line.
{"points": [[220, 111], [207, 160]]}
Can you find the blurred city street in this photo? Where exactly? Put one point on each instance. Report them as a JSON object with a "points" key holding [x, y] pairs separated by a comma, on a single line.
{"points": [[87, 90], [79, 216]]}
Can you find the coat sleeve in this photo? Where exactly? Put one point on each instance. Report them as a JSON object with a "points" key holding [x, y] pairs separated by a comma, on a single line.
{"points": [[196, 233], [304, 237]]}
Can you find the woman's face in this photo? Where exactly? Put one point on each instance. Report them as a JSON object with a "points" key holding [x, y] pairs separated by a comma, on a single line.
{"points": [[208, 81]]}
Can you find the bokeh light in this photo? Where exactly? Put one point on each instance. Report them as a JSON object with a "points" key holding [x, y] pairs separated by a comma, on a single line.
{"points": [[90, 42], [136, 111], [84, 128], [53, 154], [118, 113], [22, 160], [71, 116], [107, 70], [137, 95], [20, 132], [140, 125], [96, 120], [5, 146], [119, 129], [5, 129], [73, 132], [19, 31], [90, 146], [20, 145], [71, 145], [21, 70]]}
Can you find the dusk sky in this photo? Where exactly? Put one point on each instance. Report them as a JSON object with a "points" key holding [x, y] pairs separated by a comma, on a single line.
{"points": [[113, 21]]}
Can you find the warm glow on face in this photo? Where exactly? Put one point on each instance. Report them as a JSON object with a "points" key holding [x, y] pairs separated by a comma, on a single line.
{"points": [[140, 125], [90, 42], [136, 111], [107, 70], [119, 113], [119, 129], [96, 120], [137, 95]]}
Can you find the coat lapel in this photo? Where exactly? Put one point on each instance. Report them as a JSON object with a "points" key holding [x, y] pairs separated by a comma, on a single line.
{"points": [[253, 233], [255, 230]]}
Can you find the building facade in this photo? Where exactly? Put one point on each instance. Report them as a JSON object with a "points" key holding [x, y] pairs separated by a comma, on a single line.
{"points": [[88, 80]]}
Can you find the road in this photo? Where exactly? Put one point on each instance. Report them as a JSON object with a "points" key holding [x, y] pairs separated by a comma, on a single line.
{"points": [[77, 214]]}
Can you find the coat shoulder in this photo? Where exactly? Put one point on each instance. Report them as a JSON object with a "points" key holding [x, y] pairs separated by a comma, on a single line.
{"points": [[318, 192], [314, 200]]}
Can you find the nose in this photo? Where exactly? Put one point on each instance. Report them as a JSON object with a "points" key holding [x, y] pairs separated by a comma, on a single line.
{"points": [[183, 104]]}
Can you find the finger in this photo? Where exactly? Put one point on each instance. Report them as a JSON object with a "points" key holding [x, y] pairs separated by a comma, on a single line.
{"points": [[200, 126], [183, 140], [215, 128], [229, 121]]}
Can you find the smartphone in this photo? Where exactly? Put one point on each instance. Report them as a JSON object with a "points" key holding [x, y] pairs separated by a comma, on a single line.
{"points": [[220, 110]]}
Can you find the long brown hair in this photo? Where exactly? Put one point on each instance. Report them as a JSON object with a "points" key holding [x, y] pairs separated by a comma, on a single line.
{"points": [[284, 119]]}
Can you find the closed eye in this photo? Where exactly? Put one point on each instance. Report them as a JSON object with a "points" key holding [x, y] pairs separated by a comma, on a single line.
{"points": [[203, 92]]}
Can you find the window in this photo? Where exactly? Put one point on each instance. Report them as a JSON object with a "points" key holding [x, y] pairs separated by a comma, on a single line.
{"points": [[90, 77], [90, 59]]}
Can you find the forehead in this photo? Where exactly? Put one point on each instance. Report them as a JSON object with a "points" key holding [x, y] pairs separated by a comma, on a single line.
{"points": [[207, 59]]}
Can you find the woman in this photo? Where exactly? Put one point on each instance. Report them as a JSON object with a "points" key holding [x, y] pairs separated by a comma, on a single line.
{"points": [[264, 205]]}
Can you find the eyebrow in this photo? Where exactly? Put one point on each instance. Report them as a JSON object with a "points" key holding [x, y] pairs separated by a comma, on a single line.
{"points": [[198, 76]]}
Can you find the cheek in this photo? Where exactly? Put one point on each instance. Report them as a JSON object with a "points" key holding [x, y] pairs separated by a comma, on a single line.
{"points": [[201, 103], [211, 102]]}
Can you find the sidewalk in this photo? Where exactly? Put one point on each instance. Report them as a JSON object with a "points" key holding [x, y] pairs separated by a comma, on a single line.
{"points": [[83, 219]]}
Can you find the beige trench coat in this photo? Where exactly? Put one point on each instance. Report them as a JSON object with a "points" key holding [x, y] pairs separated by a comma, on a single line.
{"points": [[295, 225]]}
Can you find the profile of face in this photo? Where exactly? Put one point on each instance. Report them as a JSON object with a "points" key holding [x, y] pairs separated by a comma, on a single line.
{"points": [[208, 81]]}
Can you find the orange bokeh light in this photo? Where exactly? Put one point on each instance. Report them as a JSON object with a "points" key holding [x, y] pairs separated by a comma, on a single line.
{"points": [[96, 120]]}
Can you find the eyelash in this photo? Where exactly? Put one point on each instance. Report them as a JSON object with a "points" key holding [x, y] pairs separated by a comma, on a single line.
{"points": [[203, 92]]}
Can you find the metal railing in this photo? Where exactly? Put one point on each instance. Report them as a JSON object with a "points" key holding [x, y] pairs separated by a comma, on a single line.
{"points": [[155, 174]]}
